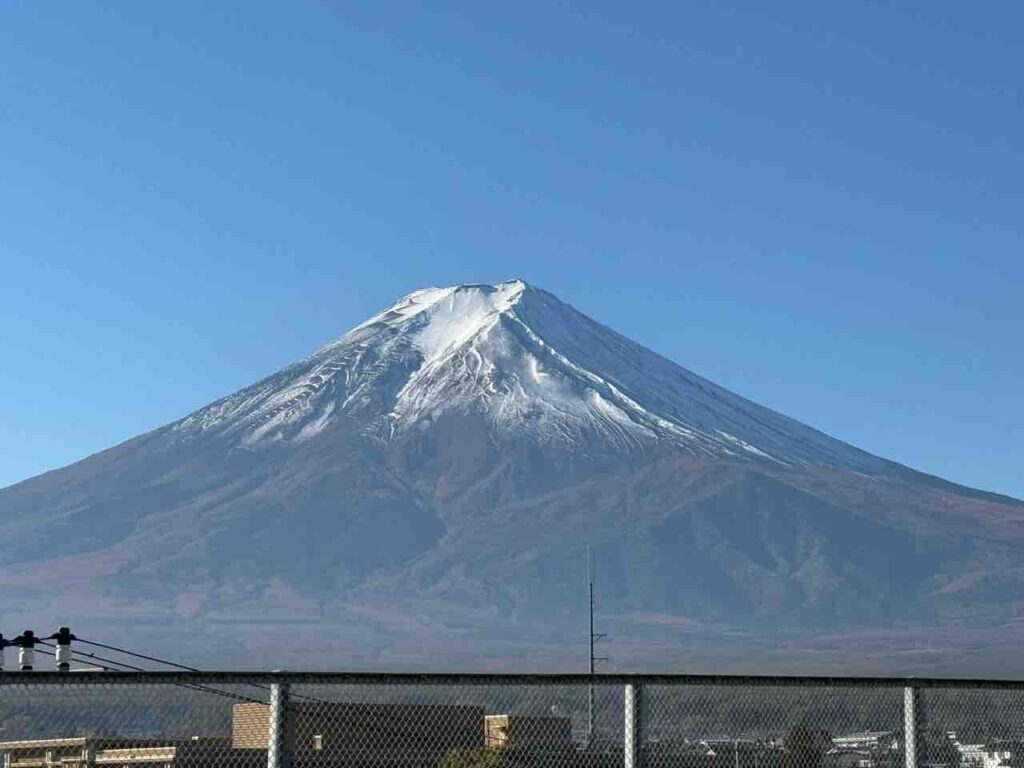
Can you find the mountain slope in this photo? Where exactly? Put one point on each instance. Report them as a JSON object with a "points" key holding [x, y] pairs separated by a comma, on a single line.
{"points": [[441, 469]]}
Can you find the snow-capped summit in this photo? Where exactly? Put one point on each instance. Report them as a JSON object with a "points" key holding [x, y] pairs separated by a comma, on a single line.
{"points": [[531, 365]]}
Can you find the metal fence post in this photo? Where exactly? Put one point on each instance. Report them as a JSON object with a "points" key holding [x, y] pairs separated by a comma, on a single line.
{"points": [[277, 727], [634, 726], [910, 697]]}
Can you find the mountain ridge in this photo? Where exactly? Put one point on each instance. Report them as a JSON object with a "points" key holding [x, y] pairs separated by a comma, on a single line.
{"points": [[441, 469]]}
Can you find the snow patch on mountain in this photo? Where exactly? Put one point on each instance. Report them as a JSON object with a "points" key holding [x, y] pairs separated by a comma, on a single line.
{"points": [[406, 308], [460, 315]]}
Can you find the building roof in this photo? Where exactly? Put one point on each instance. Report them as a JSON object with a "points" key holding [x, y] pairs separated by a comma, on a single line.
{"points": [[73, 741]]}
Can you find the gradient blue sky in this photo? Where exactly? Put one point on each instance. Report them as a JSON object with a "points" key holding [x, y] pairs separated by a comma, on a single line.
{"points": [[817, 205]]}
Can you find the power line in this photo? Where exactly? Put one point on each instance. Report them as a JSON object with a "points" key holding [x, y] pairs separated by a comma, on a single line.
{"points": [[368, 719], [97, 664], [176, 665], [154, 659], [102, 661], [120, 666], [139, 655], [99, 658]]}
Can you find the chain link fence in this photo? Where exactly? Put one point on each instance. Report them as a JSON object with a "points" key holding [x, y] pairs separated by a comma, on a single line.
{"points": [[281, 720]]}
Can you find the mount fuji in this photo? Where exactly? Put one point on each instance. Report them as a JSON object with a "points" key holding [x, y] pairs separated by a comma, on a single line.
{"points": [[427, 487]]}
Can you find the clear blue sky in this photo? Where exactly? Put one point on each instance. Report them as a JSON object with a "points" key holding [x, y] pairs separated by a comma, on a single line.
{"points": [[817, 205]]}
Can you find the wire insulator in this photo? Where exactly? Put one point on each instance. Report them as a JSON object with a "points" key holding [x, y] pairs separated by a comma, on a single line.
{"points": [[63, 637], [26, 643]]}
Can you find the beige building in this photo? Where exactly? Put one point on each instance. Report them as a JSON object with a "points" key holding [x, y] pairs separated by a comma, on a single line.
{"points": [[527, 731], [101, 752]]}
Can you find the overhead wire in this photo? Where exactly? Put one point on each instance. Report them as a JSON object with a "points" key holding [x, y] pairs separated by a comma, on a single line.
{"points": [[53, 655], [102, 661], [183, 666], [138, 655], [367, 718]]}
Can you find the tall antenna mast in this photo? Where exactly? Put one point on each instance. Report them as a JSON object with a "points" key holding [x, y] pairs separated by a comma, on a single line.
{"points": [[593, 637]]}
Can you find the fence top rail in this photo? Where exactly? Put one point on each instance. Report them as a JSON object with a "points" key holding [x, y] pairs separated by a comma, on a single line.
{"points": [[476, 678]]}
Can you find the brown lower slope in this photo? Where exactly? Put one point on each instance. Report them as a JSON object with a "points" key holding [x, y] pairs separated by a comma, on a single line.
{"points": [[452, 534]]}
